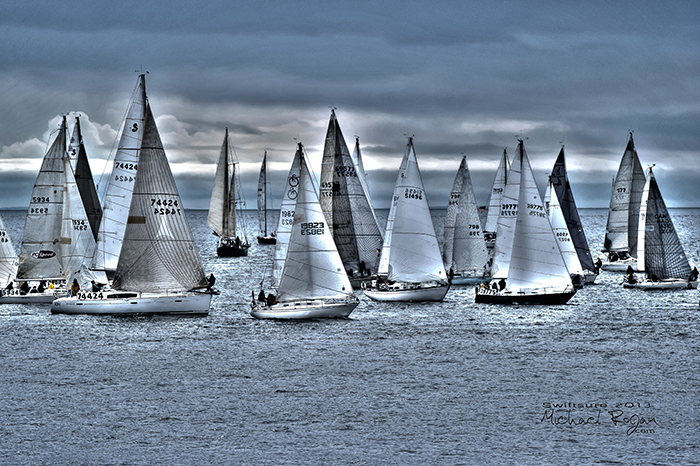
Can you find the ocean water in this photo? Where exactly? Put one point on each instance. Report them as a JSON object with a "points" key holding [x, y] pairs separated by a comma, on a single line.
{"points": [[609, 378]]}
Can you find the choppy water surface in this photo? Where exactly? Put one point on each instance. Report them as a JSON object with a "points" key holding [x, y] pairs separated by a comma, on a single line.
{"points": [[440, 383]]}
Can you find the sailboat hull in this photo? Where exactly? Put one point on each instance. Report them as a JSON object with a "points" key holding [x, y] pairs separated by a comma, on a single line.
{"points": [[668, 284], [407, 292], [231, 251], [300, 310], [620, 265], [47, 297], [467, 279], [487, 296], [129, 303], [267, 240]]}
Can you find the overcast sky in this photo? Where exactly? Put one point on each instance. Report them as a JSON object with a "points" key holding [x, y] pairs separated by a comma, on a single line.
{"points": [[463, 77]]}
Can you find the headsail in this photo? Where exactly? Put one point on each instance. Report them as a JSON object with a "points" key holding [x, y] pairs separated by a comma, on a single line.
{"points": [[451, 214], [561, 232], [507, 215], [121, 185], [469, 253], [499, 184], [8, 257], [313, 268], [84, 180], [159, 253]]}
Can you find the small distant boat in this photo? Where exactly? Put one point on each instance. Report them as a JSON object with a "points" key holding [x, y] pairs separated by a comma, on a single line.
{"points": [[410, 264], [344, 197], [497, 190], [313, 283], [263, 238], [623, 216], [225, 216], [660, 253], [464, 251], [528, 264], [159, 270]]}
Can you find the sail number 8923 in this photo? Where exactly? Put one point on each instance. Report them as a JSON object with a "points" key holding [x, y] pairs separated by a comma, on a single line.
{"points": [[312, 228]]}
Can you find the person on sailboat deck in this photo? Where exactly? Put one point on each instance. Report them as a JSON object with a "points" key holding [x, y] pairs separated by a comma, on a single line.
{"points": [[9, 286], [41, 287], [693, 275], [271, 299], [630, 275], [612, 257], [502, 284], [95, 286], [24, 287], [261, 296], [596, 267], [74, 287], [450, 275], [211, 279]]}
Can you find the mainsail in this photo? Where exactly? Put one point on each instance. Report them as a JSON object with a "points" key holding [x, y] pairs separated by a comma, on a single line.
{"points": [[346, 205], [661, 253], [262, 196], [159, 254], [499, 184], [469, 254], [410, 252], [40, 253], [561, 186], [451, 214], [507, 215], [117, 199], [312, 267], [83, 178], [286, 220], [8, 257], [623, 216]]}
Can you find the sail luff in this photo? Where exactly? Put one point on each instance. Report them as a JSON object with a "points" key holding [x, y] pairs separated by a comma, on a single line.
{"points": [[40, 252], [117, 198], [159, 253]]}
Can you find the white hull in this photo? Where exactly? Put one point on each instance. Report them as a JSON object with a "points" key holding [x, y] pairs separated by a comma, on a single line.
{"points": [[314, 309], [668, 284], [46, 297], [468, 279], [130, 303], [589, 277], [620, 265], [407, 292]]}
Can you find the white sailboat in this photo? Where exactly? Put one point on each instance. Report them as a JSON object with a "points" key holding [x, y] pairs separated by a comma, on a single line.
{"points": [[562, 187], [535, 272], [410, 264], [346, 204], [660, 253], [313, 283], [40, 260], [623, 217], [159, 267], [225, 208], [83, 178], [464, 250], [117, 198], [497, 190], [8, 258], [263, 238]]}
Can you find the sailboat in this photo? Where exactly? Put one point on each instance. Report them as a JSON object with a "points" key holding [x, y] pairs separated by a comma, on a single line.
{"points": [[497, 190], [264, 238], [159, 269], [225, 216], [528, 265], [8, 258], [117, 197], [410, 264], [623, 217], [313, 283], [563, 236], [560, 185], [345, 202], [464, 250], [659, 250], [83, 178]]}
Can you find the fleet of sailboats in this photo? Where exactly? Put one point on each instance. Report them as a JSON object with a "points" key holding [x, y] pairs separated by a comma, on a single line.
{"points": [[263, 237], [410, 264], [225, 206], [623, 216], [528, 265], [530, 251], [660, 254], [158, 269], [313, 283]]}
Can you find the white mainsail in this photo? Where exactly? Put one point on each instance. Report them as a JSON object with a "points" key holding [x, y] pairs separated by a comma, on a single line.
{"points": [[159, 253], [410, 252], [361, 174], [507, 215], [286, 220], [354, 226], [8, 257], [117, 199], [40, 252], [262, 196], [469, 254], [451, 214], [83, 178], [535, 260], [660, 252], [499, 184], [561, 232], [312, 268], [623, 216]]}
